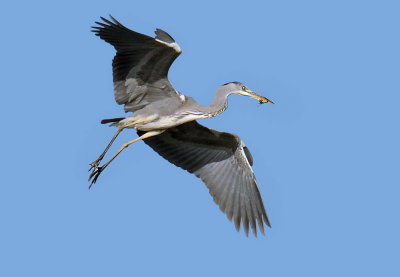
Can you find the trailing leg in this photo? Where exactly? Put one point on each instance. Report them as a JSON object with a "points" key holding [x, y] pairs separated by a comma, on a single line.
{"points": [[97, 170]]}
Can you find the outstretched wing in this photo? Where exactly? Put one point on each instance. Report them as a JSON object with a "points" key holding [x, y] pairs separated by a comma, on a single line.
{"points": [[223, 162], [140, 67]]}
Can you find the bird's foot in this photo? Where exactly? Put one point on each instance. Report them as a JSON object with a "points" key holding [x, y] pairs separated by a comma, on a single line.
{"points": [[94, 165], [95, 174]]}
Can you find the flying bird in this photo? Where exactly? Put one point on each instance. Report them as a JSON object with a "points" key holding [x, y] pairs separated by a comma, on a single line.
{"points": [[165, 120]]}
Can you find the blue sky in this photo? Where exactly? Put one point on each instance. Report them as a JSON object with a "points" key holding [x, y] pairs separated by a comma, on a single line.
{"points": [[326, 154]]}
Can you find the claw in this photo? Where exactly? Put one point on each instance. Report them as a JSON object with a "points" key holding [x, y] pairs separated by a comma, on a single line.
{"points": [[94, 175], [93, 166]]}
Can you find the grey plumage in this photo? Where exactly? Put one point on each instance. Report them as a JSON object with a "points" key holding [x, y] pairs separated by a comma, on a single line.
{"points": [[223, 162], [165, 120], [140, 67]]}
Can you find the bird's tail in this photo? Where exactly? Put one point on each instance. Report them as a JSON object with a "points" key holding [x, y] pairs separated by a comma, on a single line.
{"points": [[118, 119]]}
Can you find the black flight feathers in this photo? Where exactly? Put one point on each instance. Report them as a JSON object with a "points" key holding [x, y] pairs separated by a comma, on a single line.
{"points": [[115, 25]]}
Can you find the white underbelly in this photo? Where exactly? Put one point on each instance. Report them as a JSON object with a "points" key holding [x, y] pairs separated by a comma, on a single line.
{"points": [[165, 122]]}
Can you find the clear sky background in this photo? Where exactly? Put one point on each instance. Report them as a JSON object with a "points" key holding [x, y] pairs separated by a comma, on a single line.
{"points": [[326, 154]]}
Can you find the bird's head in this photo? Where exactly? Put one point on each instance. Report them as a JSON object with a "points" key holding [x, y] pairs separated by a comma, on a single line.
{"points": [[239, 88]]}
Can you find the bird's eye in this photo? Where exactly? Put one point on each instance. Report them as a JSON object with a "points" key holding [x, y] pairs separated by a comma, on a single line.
{"points": [[244, 88]]}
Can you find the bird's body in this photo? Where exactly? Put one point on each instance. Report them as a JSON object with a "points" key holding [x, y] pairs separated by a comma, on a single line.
{"points": [[161, 115], [169, 113], [166, 120]]}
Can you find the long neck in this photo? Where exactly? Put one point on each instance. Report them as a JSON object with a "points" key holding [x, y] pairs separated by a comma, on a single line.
{"points": [[219, 104]]}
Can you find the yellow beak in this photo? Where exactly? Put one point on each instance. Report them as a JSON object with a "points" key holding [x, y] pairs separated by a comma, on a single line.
{"points": [[254, 95]]}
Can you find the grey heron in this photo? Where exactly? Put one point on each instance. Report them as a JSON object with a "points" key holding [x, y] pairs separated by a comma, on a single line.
{"points": [[165, 120]]}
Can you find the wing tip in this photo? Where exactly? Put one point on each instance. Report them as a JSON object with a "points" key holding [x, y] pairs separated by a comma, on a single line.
{"points": [[107, 24]]}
